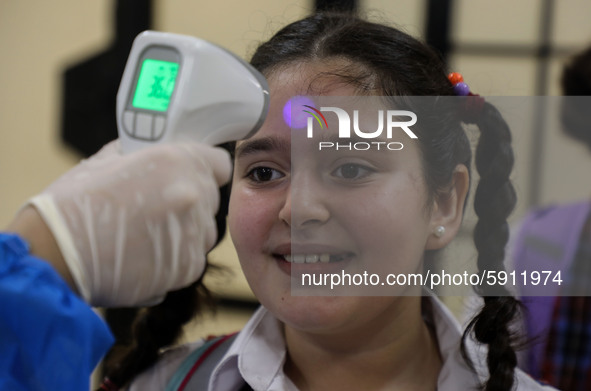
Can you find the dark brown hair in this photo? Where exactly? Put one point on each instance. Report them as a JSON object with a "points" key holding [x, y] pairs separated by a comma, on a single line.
{"points": [[576, 81]]}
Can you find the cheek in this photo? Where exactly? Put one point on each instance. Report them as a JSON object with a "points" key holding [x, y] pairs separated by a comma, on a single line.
{"points": [[240, 214], [392, 223], [250, 218]]}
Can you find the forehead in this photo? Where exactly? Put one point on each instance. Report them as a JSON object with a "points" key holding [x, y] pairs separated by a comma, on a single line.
{"points": [[324, 81], [302, 78], [315, 78]]}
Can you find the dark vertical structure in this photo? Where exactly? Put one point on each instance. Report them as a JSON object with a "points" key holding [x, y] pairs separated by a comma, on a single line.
{"points": [[90, 87], [438, 25], [538, 143], [336, 5]]}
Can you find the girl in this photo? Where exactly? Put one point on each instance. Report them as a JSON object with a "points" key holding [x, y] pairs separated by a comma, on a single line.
{"points": [[280, 208]]}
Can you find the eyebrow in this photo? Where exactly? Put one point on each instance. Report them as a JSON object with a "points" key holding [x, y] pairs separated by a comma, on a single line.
{"points": [[263, 144]]}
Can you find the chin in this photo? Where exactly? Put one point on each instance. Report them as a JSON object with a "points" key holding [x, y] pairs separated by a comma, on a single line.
{"points": [[313, 313]]}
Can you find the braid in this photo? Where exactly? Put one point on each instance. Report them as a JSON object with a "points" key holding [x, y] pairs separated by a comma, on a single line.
{"points": [[153, 329], [160, 326], [494, 201]]}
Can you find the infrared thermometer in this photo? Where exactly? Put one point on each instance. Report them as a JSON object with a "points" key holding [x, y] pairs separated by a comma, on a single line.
{"points": [[179, 88]]}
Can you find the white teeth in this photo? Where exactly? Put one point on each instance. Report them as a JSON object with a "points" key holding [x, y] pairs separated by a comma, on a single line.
{"points": [[299, 258], [312, 258], [307, 258]]}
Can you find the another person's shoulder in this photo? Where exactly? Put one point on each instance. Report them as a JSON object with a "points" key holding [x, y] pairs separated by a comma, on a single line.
{"points": [[550, 212]]}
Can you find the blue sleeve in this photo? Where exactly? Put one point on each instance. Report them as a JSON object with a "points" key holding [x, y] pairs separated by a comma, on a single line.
{"points": [[49, 338]]}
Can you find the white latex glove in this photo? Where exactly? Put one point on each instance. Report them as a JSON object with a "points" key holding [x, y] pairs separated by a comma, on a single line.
{"points": [[133, 227]]}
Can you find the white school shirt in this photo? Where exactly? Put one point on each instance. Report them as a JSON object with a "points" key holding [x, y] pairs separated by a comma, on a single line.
{"points": [[258, 353]]}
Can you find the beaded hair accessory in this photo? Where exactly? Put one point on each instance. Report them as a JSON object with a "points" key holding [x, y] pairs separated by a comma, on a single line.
{"points": [[474, 102]]}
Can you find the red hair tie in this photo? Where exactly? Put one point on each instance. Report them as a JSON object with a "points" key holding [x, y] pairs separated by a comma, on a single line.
{"points": [[108, 385]]}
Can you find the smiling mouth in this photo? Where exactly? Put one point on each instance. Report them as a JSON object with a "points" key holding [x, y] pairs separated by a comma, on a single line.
{"points": [[315, 258]]}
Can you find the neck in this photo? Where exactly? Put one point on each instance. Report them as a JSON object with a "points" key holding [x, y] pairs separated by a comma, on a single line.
{"points": [[395, 353]]}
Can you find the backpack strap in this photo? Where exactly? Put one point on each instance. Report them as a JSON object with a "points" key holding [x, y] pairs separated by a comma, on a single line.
{"points": [[197, 368]]}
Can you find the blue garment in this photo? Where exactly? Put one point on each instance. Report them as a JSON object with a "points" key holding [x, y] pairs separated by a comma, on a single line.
{"points": [[50, 339]]}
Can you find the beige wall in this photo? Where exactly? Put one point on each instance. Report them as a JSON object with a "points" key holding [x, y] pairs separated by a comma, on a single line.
{"points": [[37, 39]]}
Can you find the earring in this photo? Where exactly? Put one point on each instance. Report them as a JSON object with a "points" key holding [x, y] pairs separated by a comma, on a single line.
{"points": [[439, 231]]}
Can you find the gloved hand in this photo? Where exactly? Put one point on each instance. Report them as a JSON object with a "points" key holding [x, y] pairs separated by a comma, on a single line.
{"points": [[133, 227]]}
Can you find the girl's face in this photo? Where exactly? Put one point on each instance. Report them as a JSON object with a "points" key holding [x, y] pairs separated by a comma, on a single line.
{"points": [[364, 208]]}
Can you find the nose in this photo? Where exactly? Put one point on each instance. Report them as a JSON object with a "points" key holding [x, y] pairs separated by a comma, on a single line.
{"points": [[305, 204]]}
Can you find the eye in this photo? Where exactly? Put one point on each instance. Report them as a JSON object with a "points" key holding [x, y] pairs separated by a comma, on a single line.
{"points": [[352, 171], [264, 174]]}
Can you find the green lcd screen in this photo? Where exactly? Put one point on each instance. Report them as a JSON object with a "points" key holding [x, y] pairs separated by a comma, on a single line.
{"points": [[155, 85]]}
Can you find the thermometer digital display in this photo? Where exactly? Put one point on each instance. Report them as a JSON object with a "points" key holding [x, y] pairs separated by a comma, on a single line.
{"points": [[155, 84]]}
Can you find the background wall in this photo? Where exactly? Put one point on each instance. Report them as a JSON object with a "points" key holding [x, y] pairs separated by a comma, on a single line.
{"points": [[39, 39]]}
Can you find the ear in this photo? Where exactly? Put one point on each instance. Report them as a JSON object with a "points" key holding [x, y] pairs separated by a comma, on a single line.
{"points": [[448, 210]]}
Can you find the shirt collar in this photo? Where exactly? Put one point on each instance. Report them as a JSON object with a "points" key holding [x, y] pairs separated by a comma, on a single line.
{"points": [[258, 354], [455, 374]]}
